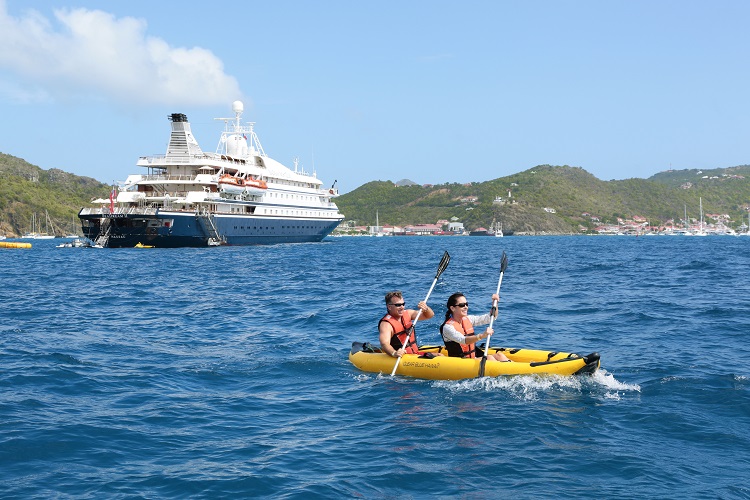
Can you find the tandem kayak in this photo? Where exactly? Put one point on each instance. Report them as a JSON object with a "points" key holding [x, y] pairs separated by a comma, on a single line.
{"points": [[369, 358]]}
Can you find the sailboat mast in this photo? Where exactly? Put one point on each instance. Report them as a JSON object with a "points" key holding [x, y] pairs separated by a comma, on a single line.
{"points": [[687, 226]]}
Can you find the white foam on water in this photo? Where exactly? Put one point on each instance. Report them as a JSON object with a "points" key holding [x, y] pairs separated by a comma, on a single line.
{"points": [[522, 387], [608, 380], [529, 387]]}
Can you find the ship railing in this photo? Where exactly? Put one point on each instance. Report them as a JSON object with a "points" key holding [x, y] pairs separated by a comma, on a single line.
{"points": [[118, 210], [197, 159], [179, 160], [206, 218], [105, 228], [158, 177]]}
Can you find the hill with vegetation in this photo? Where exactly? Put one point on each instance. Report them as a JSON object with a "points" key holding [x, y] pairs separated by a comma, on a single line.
{"points": [[27, 190], [554, 199], [544, 199]]}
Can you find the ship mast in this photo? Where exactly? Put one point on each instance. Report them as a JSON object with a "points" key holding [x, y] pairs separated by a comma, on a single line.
{"points": [[238, 129]]}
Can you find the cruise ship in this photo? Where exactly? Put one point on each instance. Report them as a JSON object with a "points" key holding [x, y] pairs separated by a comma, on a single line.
{"points": [[191, 198]]}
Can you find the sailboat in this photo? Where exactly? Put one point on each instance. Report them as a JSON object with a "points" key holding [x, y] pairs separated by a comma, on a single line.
{"points": [[686, 231], [746, 233], [36, 226], [378, 229], [32, 233], [700, 231]]}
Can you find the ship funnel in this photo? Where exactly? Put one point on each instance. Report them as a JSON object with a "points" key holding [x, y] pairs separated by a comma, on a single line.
{"points": [[182, 144]]}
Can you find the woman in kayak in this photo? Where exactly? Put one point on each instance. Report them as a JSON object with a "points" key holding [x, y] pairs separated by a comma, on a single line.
{"points": [[458, 329]]}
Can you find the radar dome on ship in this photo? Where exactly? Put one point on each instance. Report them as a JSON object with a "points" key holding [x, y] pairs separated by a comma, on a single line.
{"points": [[236, 146], [238, 107]]}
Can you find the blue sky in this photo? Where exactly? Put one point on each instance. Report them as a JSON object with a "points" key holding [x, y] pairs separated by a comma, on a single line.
{"points": [[433, 91]]}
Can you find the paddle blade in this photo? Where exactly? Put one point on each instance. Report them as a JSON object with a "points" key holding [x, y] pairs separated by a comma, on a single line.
{"points": [[357, 346], [503, 262], [443, 264]]}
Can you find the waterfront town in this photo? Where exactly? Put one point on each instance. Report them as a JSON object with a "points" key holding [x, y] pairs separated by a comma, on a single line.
{"points": [[710, 224]]}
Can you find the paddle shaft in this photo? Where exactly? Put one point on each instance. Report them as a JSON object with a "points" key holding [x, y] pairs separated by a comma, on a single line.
{"points": [[503, 265], [441, 267], [414, 324]]}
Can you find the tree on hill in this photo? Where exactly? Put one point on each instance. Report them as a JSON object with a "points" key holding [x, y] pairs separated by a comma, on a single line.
{"points": [[26, 190]]}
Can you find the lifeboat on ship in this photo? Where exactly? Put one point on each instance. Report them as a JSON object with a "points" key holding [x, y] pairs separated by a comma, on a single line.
{"points": [[230, 184], [255, 186], [237, 185], [369, 358]]}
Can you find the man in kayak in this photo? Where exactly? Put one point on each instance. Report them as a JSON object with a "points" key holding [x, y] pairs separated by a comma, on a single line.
{"points": [[458, 329], [397, 324]]}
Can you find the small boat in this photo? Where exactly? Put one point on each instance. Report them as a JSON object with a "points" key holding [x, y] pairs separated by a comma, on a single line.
{"points": [[496, 230], [369, 358], [141, 245], [481, 231], [77, 243]]}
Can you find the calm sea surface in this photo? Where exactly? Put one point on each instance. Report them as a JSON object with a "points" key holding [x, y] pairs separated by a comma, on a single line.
{"points": [[223, 372]]}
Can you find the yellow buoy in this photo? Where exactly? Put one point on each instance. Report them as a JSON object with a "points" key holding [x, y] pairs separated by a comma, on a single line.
{"points": [[12, 244]]}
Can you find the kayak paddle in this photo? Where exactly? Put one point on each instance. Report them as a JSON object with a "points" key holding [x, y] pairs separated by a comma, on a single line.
{"points": [[503, 266], [441, 267]]}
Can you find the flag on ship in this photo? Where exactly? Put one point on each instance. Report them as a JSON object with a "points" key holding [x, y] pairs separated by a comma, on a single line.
{"points": [[112, 200]]}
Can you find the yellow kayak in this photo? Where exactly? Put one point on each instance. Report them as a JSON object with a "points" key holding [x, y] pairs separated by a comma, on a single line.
{"points": [[369, 358]]}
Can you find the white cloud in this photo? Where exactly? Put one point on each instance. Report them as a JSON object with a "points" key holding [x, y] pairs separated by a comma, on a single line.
{"points": [[87, 51]]}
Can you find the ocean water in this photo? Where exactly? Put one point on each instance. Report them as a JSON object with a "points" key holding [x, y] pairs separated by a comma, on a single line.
{"points": [[223, 372]]}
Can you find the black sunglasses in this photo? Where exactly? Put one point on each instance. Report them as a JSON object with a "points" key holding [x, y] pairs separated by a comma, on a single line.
{"points": [[463, 304], [397, 305]]}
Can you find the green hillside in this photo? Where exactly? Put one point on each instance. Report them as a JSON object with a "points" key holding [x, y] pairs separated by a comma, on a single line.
{"points": [[570, 191], [26, 189]]}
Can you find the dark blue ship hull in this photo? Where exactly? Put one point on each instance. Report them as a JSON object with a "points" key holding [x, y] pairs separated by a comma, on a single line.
{"points": [[179, 229]]}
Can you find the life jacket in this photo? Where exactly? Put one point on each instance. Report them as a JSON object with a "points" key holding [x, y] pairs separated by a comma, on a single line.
{"points": [[454, 348], [400, 329]]}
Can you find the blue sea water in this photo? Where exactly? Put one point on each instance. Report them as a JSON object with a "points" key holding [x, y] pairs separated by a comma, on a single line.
{"points": [[223, 372]]}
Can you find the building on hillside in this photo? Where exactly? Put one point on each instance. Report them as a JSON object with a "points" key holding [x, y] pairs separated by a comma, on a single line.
{"points": [[423, 229], [456, 227]]}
